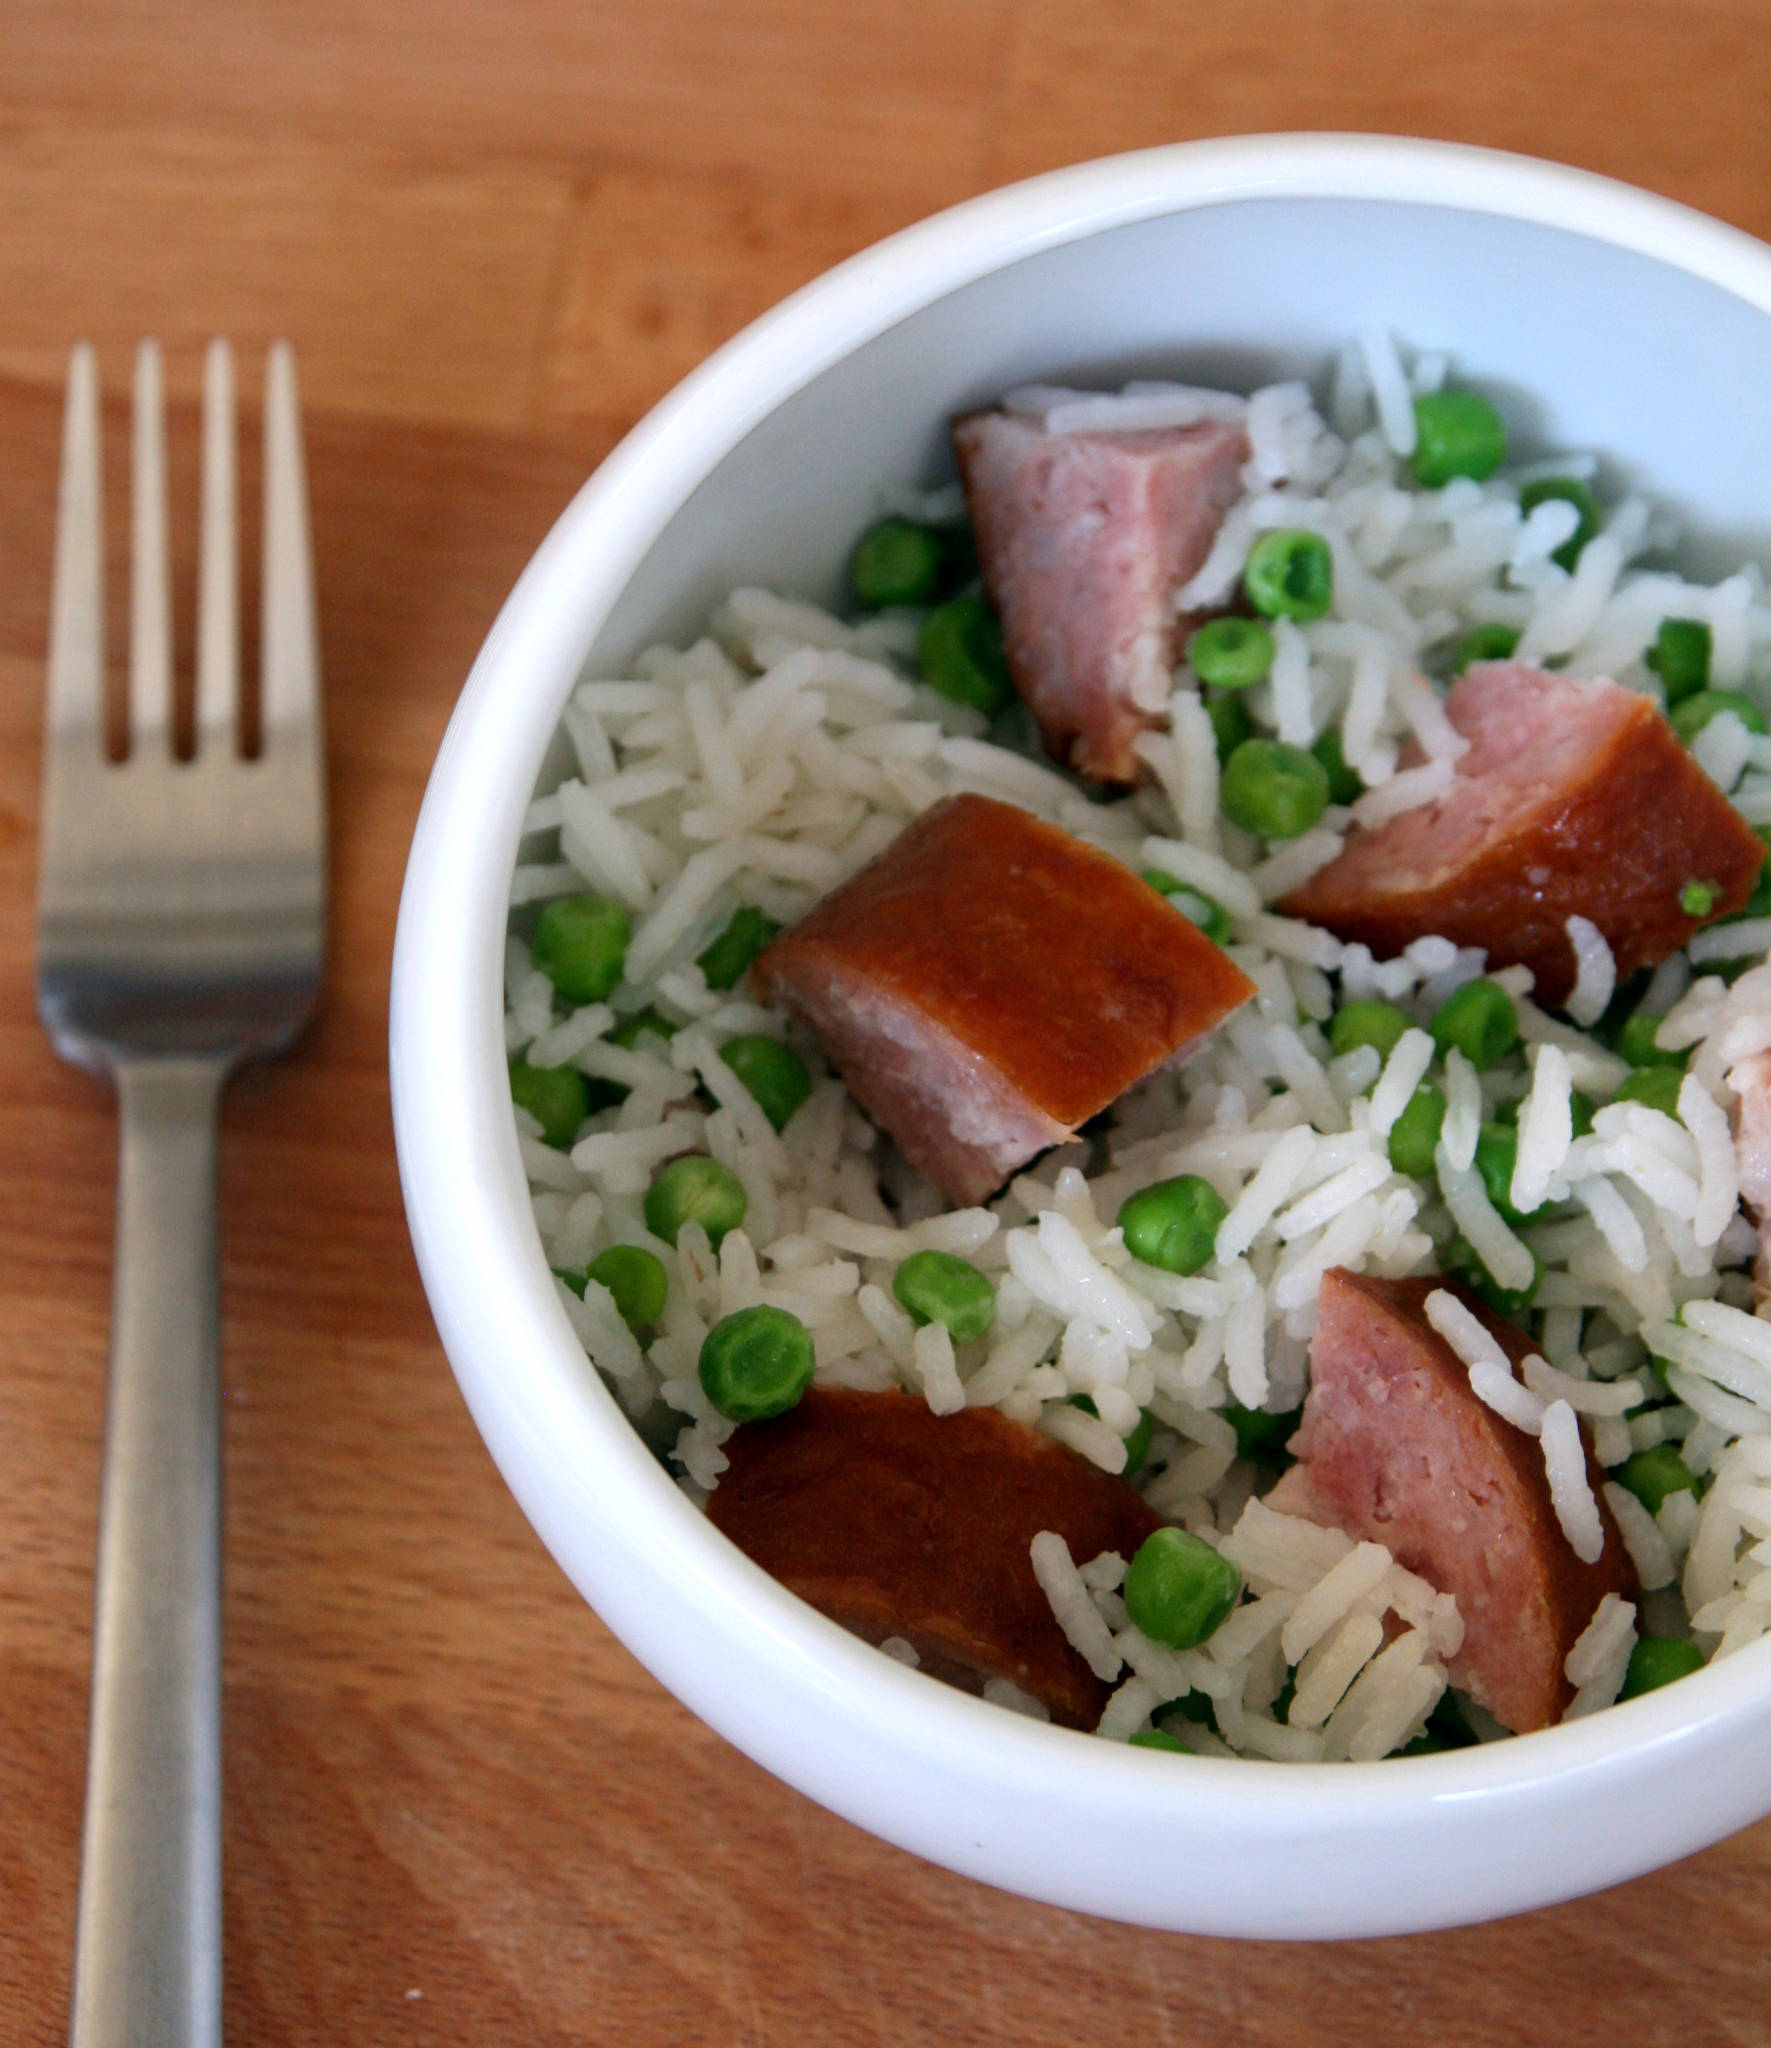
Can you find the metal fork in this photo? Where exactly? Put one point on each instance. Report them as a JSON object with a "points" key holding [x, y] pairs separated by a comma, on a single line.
{"points": [[181, 915]]}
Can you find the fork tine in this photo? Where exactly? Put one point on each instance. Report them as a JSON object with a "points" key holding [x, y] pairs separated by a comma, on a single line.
{"points": [[77, 609], [290, 666], [218, 579], [150, 575]]}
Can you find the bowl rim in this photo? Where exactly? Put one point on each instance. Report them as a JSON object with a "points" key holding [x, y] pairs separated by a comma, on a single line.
{"points": [[592, 1490]]}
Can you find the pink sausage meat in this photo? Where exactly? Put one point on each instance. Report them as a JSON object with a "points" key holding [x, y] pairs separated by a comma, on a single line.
{"points": [[1395, 1447], [989, 983], [1084, 540], [1575, 798]]}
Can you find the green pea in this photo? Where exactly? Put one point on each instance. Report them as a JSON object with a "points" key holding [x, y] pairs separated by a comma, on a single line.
{"points": [[1497, 1153], [1680, 657], [1655, 1087], [941, 1287], [1173, 1224], [728, 959], [1636, 1042], [1231, 654], [1652, 1475], [1137, 1445], [1205, 911], [558, 1098], [1657, 1661], [1690, 717], [1275, 790], [1260, 1434], [1230, 722], [1570, 490], [1490, 642], [1456, 433], [897, 562], [1414, 1136], [1481, 1020], [695, 1189], [1345, 785], [961, 653], [580, 944], [575, 1281], [1157, 1738], [756, 1363], [1289, 574], [1366, 1022], [1178, 1589], [1698, 899], [774, 1073], [637, 1280], [1512, 1302]]}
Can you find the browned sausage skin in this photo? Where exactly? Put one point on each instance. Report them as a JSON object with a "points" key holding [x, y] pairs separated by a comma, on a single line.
{"points": [[1083, 540], [989, 983], [1397, 1448], [896, 1522], [1575, 798]]}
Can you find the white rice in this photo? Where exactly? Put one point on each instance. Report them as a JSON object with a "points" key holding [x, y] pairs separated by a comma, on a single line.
{"points": [[763, 765]]}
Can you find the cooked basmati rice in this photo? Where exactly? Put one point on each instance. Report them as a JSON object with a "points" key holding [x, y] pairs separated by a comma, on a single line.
{"points": [[766, 763]]}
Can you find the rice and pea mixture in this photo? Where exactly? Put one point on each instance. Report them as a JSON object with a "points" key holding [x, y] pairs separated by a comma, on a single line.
{"points": [[691, 1156]]}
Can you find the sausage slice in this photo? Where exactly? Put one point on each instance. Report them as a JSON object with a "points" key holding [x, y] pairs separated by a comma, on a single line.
{"points": [[1395, 1447], [1575, 798], [894, 1521], [988, 983], [1083, 540]]}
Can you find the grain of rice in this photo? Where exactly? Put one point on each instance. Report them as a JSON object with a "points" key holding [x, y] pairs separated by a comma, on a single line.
{"points": [[1600, 1656], [1496, 1388], [1571, 1495], [1260, 1200], [1128, 1709], [1463, 1110], [1584, 1396], [1404, 1071], [1545, 1128], [1205, 871], [1410, 790], [932, 1355], [1331, 1666], [1360, 1572], [1649, 1550], [1487, 1234], [1075, 1611], [1469, 1337], [1615, 1221], [1389, 389], [1595, 973]]}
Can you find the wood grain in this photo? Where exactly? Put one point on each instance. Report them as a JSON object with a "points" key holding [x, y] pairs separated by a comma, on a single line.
{"points": [[496, 230]]}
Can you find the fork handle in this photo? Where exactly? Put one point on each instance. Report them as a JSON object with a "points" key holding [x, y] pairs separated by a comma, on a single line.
{"points": [[147, 1951]]}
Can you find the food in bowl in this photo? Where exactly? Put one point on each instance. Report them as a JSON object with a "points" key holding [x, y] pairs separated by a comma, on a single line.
{"points": [[1244, 1235]]}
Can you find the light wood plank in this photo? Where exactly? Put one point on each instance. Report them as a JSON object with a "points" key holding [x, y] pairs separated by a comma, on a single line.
{"points": [[663, 266], [410, 291], [871, 96], [1573, 80]]}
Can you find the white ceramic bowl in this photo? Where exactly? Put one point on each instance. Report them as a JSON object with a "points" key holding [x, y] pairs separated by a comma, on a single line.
{"points": [[1616, 321]]}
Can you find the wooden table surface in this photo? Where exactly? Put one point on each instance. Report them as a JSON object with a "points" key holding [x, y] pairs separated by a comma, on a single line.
{"points": [[497, 230]]}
